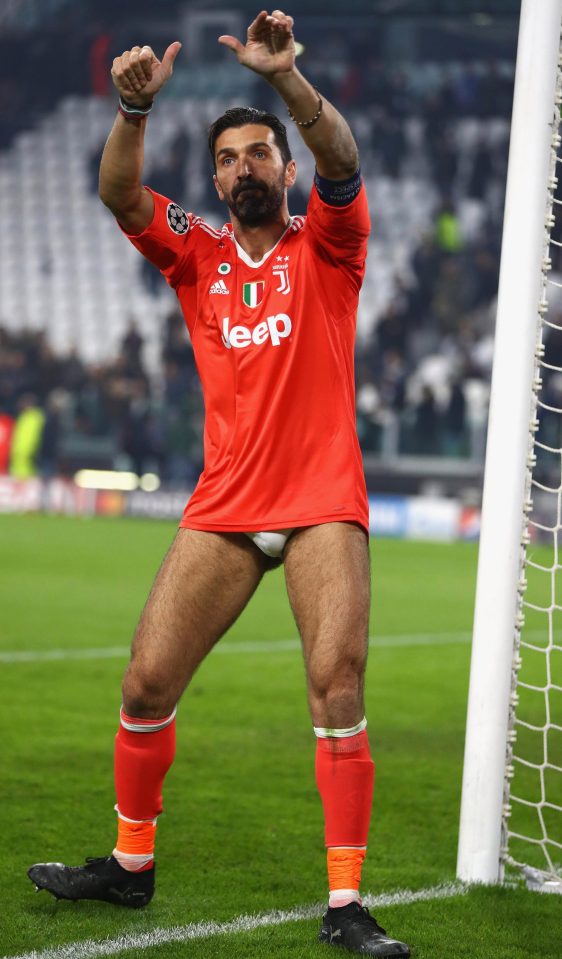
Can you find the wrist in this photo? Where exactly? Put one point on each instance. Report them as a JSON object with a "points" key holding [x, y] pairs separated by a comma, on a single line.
{"points": [[282, 78], [134, 110], [312, 119]]}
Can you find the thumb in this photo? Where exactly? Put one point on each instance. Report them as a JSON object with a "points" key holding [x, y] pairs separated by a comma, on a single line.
{"points": [[232, 43], [170, 56]]}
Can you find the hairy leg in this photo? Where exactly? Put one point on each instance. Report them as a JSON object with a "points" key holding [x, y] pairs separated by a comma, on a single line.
{"points": [[328, 582], [203, 585]]}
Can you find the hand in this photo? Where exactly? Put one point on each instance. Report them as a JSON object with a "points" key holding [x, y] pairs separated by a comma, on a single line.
{"points": [[270, 46], [138, 74]]}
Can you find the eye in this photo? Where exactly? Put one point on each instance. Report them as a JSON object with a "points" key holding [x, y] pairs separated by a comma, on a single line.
{"points": [[226, 161], [259, 154]]}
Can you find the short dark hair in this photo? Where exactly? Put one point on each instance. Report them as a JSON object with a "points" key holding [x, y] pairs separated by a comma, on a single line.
{"points": [[240, 117]]}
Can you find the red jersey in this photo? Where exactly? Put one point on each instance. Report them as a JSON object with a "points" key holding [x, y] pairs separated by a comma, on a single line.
{"points": [[273, 342]]}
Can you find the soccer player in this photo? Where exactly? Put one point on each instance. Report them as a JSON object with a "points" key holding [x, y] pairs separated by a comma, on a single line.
{"points": [[270, 303]]}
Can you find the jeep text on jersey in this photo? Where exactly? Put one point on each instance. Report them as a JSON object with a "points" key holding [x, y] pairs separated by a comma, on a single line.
{"points": [[276, 328]]}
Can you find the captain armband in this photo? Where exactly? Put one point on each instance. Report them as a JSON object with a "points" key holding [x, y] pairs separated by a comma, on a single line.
{"points": [[338, 192]]}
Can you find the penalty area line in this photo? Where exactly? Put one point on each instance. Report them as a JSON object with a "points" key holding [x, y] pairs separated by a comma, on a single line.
{"points": [[228, 648], [92, 949]]}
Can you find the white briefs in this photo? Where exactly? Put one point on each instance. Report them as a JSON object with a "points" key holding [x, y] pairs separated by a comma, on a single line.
{"points": [[271, 542]]}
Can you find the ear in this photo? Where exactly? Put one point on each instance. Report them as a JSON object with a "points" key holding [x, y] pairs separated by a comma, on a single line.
{"points": [[290, 173], [218, 187]]}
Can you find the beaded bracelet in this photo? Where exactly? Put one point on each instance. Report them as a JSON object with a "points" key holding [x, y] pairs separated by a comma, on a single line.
{"points": [[129, 110], [307, 124]]}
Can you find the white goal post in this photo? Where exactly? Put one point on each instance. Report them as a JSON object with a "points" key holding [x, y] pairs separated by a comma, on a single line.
{"points": [[510, 450]]}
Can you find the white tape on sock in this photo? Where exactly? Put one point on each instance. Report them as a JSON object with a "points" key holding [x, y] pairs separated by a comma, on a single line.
{"points": [[326, 733]]}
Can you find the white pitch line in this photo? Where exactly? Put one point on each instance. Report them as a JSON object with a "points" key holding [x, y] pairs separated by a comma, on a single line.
{"points": [[260, 646], [55, 655], [92, 949]]}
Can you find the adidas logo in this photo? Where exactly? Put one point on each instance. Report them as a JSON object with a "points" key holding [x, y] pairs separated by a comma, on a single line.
{"points": [[219, 287]]}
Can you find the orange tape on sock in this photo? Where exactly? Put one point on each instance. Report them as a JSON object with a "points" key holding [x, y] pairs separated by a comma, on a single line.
{"points": [[135, 838], [344, 868]]}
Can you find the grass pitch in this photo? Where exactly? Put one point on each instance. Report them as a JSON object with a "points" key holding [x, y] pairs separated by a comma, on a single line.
{"points": [[242, 831]]}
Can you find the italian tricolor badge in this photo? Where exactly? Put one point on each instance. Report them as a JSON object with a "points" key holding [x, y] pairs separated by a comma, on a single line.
{"points": [[252, 293]]}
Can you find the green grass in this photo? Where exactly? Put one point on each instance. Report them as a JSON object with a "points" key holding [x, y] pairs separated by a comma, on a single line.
{"points": [[242, 831]]}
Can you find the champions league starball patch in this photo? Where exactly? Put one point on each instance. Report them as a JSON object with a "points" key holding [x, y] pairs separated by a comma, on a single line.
{"points": [[177, 219]]}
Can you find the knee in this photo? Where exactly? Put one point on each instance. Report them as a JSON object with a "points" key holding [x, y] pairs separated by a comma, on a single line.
{"points": [[336, 694], [147, 692]]}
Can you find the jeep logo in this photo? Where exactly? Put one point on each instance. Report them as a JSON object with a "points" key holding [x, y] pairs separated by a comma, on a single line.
{"points": [[275, 328]]}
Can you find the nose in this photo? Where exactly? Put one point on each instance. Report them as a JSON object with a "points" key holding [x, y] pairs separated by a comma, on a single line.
{"points": [[243, 168]]}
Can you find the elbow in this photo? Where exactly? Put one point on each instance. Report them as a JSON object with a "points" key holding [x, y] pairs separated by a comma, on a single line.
{"points": [[117, 204], [105, 192], [107, 197]]}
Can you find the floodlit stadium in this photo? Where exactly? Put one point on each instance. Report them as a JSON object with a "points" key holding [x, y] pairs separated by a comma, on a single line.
{"points": [[111, 409]]}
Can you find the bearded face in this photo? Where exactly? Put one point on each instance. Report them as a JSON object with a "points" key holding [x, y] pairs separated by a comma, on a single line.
{"points": [[251, 175], [254, 201]]}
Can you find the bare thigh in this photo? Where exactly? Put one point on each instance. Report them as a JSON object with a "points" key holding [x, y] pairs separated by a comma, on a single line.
{"points": [[203, 585], [328, 582]]}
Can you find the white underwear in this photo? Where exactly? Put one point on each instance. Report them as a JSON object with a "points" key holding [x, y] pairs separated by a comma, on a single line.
{"points": [[271, 542]]}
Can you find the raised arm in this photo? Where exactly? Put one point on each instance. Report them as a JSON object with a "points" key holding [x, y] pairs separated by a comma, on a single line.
{"points": [[138, 76], [270, 51]]}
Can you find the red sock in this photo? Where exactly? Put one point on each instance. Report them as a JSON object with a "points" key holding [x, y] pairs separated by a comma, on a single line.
{"points": [[345, 775], [144, 751]]}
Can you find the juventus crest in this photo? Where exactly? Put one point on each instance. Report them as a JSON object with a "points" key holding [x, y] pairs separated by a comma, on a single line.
{"points": [[281, 271]]}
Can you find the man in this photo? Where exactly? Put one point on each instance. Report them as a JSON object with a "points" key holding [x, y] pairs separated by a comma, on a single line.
{"points": [[270, 303]]}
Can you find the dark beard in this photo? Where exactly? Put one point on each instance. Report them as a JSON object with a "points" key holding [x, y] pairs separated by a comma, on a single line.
{"points": [[258, 206]]}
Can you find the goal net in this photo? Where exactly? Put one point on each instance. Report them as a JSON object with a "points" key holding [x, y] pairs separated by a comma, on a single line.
{"points": [[532, 814], [511, 813]]}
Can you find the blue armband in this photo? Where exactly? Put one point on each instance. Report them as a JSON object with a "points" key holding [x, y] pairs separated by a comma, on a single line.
{"points": [[338, 192]]}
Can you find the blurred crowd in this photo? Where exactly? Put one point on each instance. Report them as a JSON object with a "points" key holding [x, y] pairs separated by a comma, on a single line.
{"points": [[58, 415], [423, 375]]}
